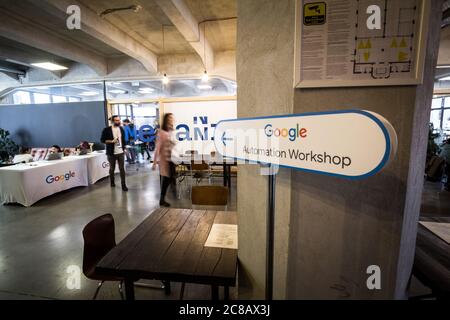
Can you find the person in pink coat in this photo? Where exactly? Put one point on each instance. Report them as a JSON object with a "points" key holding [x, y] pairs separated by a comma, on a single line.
{"points": [[163, 154]]}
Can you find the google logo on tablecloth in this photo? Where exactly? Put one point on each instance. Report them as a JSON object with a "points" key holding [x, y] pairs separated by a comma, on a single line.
{"points": [[105, 165], [65, 177]]}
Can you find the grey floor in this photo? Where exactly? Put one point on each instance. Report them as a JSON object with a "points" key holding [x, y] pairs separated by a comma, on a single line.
{"points": [[38, 244]]}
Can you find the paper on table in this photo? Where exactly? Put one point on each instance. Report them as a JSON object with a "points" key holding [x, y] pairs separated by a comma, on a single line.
{"points": [[442, 230], [223, 236]]}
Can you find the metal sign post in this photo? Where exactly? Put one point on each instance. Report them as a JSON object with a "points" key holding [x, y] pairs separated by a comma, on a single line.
{"points": [[270, 236]]}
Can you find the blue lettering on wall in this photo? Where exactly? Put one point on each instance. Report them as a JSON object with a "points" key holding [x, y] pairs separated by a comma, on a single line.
{"points": [[145, 134], [200, 132], [183, 133]]}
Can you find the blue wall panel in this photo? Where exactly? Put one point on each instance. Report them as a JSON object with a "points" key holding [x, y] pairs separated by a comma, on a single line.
{"points": [[64, 124]]}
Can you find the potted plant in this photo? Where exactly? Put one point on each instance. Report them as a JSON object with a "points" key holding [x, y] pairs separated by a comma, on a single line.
{"points": [[8, 148]]}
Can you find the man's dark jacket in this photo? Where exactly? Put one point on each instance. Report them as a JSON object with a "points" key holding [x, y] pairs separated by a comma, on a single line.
{"points": [[107, 134]]}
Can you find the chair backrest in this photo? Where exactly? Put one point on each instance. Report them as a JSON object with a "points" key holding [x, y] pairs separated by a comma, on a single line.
{"points": [[210, 195], [70, 152], [98, 146], [38, 154], [203, 166], [99, 238], [4, 156]]}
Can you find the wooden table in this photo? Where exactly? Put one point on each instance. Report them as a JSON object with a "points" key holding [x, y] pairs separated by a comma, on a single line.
{"points": [[432, 259], [226, 164], [169, 246]]}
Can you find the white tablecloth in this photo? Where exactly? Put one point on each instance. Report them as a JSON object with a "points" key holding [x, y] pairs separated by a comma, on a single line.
{"points": [[28, 183], [97, 166]]}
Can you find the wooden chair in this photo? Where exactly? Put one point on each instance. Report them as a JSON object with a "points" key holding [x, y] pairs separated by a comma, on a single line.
{"points": [[200, 171], [207, 196], [210, 196]]}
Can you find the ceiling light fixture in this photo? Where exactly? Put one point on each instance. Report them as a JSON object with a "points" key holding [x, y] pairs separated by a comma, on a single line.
{"points": [[146, 90], [204, 87], [443, 66], [205, 76], [117, 91], [165, 79], [49, 66], [445, 79], [89, 94]]}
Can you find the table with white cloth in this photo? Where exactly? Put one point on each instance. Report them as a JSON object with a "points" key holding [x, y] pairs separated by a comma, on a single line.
{"points": [[97, 166], [28, 183]]}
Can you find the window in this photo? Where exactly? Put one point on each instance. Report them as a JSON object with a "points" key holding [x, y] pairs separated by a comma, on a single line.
{"points": [[140, 114], [74, 99], [22, 97], [440, 116], [59, 99], [436, 118], [41, 98], [54, 94], [446, 121]]}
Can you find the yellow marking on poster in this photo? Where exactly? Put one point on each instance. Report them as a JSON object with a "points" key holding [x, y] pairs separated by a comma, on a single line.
{"points": [[402, 56], [403, 44], [394, 43], [314, 13]]}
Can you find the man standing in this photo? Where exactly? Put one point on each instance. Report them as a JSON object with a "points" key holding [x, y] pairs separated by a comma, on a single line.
{"points": [[114, 138]]}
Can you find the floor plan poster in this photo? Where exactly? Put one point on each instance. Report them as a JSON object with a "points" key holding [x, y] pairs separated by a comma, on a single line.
{"points": [[335, 46]]}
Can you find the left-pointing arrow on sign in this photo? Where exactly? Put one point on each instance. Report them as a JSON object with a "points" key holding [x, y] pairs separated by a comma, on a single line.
{"points": [[225, 139]]}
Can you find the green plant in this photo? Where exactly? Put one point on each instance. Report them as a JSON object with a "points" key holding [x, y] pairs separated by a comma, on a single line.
{"points": [[7, 146]]}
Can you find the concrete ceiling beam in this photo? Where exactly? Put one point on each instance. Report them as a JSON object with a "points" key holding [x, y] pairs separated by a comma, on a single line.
{"points": [[182, 18], [101, 29], [31, 34]]}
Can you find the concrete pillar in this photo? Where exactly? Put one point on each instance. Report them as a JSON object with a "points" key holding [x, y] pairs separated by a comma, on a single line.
{"points": [[265, 64], [328, 230]]}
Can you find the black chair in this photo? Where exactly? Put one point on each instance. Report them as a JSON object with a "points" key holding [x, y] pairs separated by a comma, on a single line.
{"points": [[98, 146], [99, 238], [4, 156]]}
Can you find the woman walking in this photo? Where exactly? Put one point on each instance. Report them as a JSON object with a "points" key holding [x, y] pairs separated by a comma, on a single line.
{"points": [[163, 154]]}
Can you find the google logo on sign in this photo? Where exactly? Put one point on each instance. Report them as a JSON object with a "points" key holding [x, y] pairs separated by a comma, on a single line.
{"points": [[65, 177], [292, 133]]}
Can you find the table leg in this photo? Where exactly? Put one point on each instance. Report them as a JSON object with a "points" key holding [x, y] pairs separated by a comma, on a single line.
{"points": [[129, 289], [167, 289], [226, 293], [214, 293], [225, 173]]}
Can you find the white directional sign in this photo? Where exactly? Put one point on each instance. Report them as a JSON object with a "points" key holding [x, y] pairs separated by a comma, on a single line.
{"points": [[352, 144]]}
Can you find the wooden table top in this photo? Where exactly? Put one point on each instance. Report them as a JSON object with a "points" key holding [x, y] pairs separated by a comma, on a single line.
{"points": [[169, 245], [432, 259]]}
